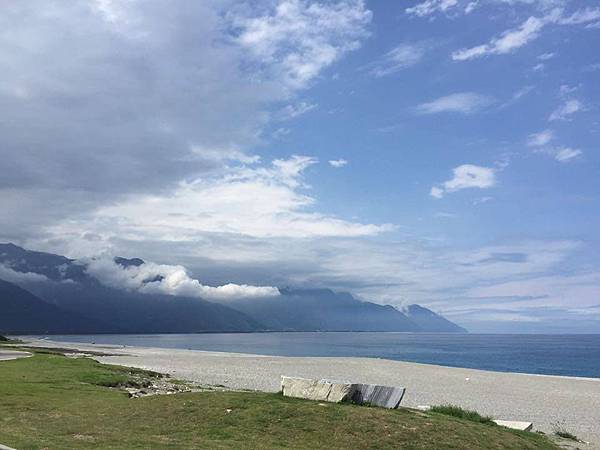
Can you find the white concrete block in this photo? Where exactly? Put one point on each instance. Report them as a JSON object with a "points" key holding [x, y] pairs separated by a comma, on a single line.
{"points": [[334, 391], [515, 425]]}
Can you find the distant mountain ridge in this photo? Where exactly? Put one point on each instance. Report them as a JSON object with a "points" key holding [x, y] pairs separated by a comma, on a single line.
{"points": [[24, 313], [70, 300], [324, 310]]}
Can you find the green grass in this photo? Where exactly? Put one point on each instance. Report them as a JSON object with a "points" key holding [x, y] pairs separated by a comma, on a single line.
{"points": [[53, 402], [457, 411]]}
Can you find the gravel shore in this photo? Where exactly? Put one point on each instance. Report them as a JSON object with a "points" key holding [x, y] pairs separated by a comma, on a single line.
{"points": [[574, 403]]}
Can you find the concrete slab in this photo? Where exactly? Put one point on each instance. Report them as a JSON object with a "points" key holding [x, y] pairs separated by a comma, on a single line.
{"points": [[319, 390], [335, 391], [377, 395], [515, 425]]}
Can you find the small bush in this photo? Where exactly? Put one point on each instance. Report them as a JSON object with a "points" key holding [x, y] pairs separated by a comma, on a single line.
{"points": [[4, 338], [457, 411], [561, 431]]}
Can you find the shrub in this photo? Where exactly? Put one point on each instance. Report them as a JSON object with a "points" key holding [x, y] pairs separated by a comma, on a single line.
{"points": [[561, 431], [457, 411]]}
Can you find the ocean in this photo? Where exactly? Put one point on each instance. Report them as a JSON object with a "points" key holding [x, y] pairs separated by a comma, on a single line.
{"points": [[567, 355]]}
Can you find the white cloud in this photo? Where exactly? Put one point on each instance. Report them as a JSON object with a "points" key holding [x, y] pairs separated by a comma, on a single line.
{"points": [[566, 110], [261, 201], [462, 102], [566, 154], [292, 111], [465, 177], [431, 6], [509, 41], [436, 192], [297, 39], [581, 16], [338, 162], [403, 56], [560, 154], [281, 133], [540, 139], [151, 278], [219, 155], [11, 275], [539, 67], [471, 7], [546, 56], [513, 39]]}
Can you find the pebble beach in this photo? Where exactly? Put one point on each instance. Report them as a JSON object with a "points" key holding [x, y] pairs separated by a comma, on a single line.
{"points": [[569, 402]]}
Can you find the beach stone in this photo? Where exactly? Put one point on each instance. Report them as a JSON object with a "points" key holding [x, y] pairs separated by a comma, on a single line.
{"points": [[377, 395]]}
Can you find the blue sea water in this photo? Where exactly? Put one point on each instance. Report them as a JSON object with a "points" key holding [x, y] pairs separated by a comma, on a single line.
{"points": [[571, 355]]}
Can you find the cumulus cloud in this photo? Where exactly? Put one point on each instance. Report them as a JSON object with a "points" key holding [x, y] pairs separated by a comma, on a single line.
{"points": [[151, 278], [400, 57], [465, 177], [566, 110], [259, 201], [143, 95], [337, 163], [461, 102]]}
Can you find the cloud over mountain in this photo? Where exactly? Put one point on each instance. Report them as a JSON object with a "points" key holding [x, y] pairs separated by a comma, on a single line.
{"points": [[151, 278]]}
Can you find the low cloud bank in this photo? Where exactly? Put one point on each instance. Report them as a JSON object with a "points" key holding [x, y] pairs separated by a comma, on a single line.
{"points": [[151, 278], [12, 276]]}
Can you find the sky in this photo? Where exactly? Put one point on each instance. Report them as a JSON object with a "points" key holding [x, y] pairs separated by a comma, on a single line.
{"points": [[440, 152]]}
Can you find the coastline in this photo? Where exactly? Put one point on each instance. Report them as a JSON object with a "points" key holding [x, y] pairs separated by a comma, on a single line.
{"points": [[542, 399]]}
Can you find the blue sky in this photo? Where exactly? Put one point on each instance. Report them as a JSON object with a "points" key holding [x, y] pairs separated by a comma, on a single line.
{"points": [[442, 152]]}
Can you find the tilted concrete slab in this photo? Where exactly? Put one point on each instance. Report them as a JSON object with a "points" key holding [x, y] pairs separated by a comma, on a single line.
{"points": [[334, 391], [373, 394], [515, 425]]}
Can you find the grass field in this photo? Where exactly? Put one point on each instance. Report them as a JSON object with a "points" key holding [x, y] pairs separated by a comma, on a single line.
{"points": [[52, 402]]}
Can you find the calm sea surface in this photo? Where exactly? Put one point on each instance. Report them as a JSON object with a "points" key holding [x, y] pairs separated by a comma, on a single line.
{"points": [[574, 355]]}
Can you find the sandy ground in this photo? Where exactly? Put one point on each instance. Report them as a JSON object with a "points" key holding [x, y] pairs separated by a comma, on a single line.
{"points": [[544, 400]]}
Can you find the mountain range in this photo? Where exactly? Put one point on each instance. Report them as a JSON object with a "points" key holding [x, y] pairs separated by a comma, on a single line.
{"points": [[44, 293]]}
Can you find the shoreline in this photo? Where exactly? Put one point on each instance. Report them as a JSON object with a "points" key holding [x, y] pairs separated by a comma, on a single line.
{"points": [[259, 355], [516, 362], [542, 399]]}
